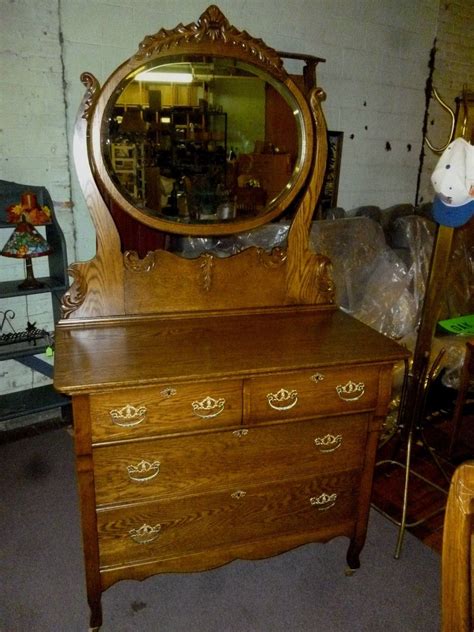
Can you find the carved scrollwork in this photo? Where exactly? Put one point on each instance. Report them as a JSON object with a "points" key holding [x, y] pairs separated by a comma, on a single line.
{"points": [[74, 297], [317, 97], [274, 259], [132, 261], [92, 92], [213, 26]]}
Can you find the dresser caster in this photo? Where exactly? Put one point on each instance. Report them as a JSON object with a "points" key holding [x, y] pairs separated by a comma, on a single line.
{"points": [[349, 572], [352, 557], [95, 620]]}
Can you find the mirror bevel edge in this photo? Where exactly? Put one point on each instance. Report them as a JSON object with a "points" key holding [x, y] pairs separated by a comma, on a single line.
{"points": [[132, 66]]}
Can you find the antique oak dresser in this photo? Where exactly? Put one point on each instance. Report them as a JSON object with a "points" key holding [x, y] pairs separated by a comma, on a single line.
{"points": [[224, 407]]}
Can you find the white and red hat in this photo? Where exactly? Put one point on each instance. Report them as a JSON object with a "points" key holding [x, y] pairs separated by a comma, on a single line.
{"points": [[453, 181]]}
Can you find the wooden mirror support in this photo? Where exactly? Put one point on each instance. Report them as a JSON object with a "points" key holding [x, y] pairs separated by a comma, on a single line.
{"points": [[217, 395], [117, 283]]}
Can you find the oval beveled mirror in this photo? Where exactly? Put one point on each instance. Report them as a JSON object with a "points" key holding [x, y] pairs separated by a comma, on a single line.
{"points": [[187, 142]]}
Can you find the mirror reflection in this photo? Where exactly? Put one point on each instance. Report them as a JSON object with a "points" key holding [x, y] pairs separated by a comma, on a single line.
{"points": [[203, 140]]}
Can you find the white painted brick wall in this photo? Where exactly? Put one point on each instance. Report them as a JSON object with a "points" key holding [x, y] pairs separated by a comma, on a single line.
{"points": [[33, 147], [377, 64]]}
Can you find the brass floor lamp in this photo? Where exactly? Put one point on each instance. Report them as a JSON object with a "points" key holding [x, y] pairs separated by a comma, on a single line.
{"points": [[418, 379], [412, 405]]}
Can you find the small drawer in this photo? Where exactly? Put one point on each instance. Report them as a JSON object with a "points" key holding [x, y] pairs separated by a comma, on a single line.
{"points": [[209, 462], [165, 408], [169, 528], [303, 394]]}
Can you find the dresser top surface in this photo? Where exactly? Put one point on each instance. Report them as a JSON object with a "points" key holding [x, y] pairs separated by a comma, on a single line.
{"points": [[146, 351]]}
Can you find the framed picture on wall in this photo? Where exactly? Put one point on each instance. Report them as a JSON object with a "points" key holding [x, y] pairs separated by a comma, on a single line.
{"points": [[331, 180]]}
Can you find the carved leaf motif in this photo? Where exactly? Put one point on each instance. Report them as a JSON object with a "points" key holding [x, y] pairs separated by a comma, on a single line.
{"points": [[206, 267], [213, 26], [92, 92], [74, 297]]}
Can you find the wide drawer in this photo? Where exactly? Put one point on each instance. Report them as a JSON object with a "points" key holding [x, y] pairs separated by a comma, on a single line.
{"points": [[170, 528], [164, 408], [202, 463], [308, 393]]}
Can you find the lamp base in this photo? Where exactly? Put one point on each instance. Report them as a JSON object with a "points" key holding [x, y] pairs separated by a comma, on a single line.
{"points": [[30, 283], [27, 285]]}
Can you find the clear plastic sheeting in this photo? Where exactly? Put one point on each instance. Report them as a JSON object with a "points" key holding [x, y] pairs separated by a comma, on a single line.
{"points": [[353, 245], [414, 245], [192, 247], [388, 303], [451, 351], [455, 357], [381, 286], [459, 295], [267, 237]]}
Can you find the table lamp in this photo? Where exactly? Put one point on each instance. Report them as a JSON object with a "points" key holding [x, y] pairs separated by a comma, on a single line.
{"points": [[29, 210], [25, 243]]}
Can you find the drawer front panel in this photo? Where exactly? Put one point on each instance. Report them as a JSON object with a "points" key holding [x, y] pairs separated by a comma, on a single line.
{"points": [[308, 393], [208, 462], [142, 412], [169, 528]]}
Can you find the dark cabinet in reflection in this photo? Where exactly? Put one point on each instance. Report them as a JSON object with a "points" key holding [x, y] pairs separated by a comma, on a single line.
{"points": [[189, 139]]}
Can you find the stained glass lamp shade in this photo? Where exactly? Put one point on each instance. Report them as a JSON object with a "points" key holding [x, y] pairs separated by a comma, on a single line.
{"points": [[25, 243]]}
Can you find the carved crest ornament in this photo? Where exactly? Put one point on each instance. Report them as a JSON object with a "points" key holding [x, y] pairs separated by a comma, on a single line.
{"points": [[212, 26]]}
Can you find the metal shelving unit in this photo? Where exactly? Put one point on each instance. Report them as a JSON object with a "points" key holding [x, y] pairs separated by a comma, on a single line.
{"points": [[25, 409]]}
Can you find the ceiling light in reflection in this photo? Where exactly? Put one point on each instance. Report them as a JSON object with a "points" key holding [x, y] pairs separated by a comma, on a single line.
{"points": [[153, 76]]}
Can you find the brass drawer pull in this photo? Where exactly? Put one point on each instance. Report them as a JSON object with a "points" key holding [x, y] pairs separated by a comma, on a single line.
{"points": [[145, 534], [283, 400], [329, 442], [128, 416], [351, 391], [324, 501], [208, 407], [144, 471], [240, 433], [317, 377], [238, 494]]}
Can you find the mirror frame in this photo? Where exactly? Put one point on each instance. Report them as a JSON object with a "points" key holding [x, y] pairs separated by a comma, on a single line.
{"points": [[212, 35]]}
